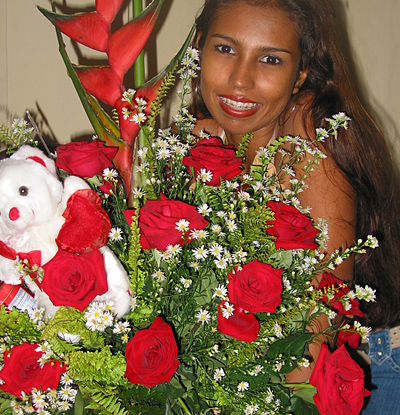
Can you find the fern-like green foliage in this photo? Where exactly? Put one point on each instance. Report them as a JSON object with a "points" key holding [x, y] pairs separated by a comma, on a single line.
{"points": [[16, 325], [241, 150], [97, 366], [14, 138], [72, 321]]}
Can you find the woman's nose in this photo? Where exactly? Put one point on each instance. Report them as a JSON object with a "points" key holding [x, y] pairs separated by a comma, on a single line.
{"points": [[241, 75]]}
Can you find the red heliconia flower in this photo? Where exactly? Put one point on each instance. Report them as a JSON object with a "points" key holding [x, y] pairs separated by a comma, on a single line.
{"points": [[106, 82]]}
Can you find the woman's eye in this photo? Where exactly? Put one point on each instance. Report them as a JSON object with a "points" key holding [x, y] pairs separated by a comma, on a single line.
{"points": [[23, 191], [224, 48], [271, 60]]}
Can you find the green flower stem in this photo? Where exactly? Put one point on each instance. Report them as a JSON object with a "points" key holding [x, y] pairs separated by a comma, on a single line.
{"points": [[299, 385], [184, 407], [139, 63]]}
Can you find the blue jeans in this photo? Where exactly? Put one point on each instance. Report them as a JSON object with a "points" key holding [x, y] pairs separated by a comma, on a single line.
{"points": [[385, 376]]}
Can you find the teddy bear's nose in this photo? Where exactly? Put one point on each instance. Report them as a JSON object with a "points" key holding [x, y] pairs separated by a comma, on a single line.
{"points": [[13, 214]]}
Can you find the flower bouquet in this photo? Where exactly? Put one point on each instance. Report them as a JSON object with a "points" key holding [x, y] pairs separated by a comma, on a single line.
{"points": [[222, 269]]}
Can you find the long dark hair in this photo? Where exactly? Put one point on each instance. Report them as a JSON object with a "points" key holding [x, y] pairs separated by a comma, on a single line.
{"points": [[360, 152]]}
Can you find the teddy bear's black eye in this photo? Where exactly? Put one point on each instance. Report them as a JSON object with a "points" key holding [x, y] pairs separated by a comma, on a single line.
{"points": [[23, 191]]}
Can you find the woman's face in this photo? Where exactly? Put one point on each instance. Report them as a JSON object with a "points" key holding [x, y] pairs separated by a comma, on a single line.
{"points": [[249, 68]]}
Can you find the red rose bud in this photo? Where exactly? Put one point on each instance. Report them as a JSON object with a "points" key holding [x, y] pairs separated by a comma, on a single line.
{"points": [[85, 159], [350, 337], [74, 280], [339, 382], [87, 224], [330, 281], [240, 325], [292, 229], [256, 287], [157, 222], [151, 356], [212, 155], [22, 371]]}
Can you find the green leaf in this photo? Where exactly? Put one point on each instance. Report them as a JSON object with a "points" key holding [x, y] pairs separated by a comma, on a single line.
{"points": [[293, 345], [302, 402], [284, 258]]}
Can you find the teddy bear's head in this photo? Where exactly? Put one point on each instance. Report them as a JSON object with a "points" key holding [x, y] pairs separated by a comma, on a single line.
{"points": [[29, 190]]}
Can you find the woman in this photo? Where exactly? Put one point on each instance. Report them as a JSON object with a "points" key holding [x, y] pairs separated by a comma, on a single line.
{"points": [[274, 67]]}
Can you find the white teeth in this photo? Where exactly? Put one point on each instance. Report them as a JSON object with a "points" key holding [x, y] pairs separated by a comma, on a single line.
{"points": [[237, 105]]}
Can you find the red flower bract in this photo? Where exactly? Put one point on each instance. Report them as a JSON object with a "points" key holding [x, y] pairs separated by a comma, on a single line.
{"points": [[256, 287], [87, 224], [74, 280], [157, 222], [22, 372], [151, 356], [211, 155], [292, 229], [85, 159], [339, 382]]}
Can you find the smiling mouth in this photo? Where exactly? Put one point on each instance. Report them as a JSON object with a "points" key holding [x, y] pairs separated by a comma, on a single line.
{"points": [[238, 105]]}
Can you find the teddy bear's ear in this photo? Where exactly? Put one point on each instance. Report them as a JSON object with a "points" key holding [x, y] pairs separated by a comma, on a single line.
{"points": [[34, 154], [38, 160]]}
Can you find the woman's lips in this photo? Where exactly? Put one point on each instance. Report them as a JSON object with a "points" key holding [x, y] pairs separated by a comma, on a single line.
{"points": [[235, 107]]}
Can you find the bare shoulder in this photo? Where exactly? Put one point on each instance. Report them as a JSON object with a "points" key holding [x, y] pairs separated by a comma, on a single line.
{"points": [[327, 193]]}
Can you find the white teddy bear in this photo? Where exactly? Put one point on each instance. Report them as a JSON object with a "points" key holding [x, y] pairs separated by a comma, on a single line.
{"points": [[32, 202]]}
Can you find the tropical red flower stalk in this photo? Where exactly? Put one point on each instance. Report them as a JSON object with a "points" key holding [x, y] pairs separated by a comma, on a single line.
{"points": [[93, 29]]}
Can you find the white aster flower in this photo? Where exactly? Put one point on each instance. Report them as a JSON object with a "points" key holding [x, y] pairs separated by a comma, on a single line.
{"points": [[204, 209], [66, 379], [227, 309], [221, 263], [205, 176], [138, 192], [115, 234], [139, 118], [158, 275], [219, 374], [110, 173], [203, 316], [216, 250], [36, 315], [173, 250], [231, 225], [163, 153], [186, 282], [182, 225], [200, 253], [243, 386], [220, 292], [134, 304]]}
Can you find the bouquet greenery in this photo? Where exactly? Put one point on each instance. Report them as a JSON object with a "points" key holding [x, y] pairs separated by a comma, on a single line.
{"points": [[222, 271]]}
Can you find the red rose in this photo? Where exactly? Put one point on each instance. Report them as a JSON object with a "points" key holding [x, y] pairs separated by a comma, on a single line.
{"points": [[293, 229], [339, 382], [22, 371], [330, 281], [85, 159], [74, 279], [157, 222], [212, 155], [87, 224], [256, 287], [240, 325], [151, 356]]}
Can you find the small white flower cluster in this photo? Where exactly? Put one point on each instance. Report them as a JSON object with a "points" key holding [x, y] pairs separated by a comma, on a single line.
{"points": [[19, 134], [99, 316], [189, 64], [135, 111], [41, 402]]}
